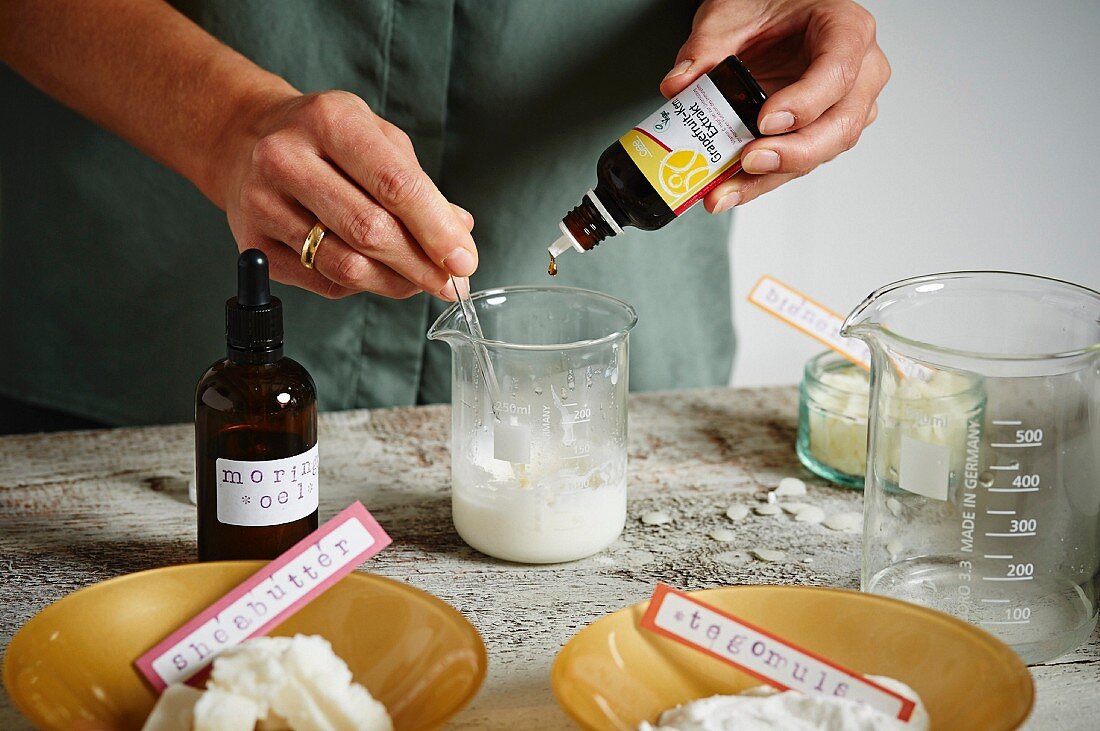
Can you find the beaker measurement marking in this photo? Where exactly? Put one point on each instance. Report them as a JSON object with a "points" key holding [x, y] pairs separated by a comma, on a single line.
{"points": [[1009, 535], [1000, 512], [1007, 578], [568, 406], [1014, 489], [1005, 621], [581, 421], [1013, 445], [996, 601], [997, 555], [513, 408], [1007, 422], [1008, 467]]}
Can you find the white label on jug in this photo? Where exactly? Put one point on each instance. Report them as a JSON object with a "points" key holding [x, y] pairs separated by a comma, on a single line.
{"points": [[512, 443], [267, 492], [925, 468], [689, 145]]}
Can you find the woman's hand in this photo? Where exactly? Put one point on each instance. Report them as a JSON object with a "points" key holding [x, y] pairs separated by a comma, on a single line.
{"points": [[275, 160], [327, 157], [821, 67]]}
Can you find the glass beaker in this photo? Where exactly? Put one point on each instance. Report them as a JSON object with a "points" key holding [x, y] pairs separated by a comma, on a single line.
{"points": [[982, 496], [539, 475]]}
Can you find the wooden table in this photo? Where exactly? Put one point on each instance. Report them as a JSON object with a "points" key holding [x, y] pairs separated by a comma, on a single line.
{"points": [[80, 507]]}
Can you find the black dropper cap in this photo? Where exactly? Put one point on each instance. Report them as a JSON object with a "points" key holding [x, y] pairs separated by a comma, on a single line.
{"points": [[253, 319]]}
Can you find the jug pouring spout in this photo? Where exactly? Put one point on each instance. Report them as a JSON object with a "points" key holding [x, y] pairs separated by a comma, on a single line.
{"points": [[871, 320], [867, 323], [863, 323]]}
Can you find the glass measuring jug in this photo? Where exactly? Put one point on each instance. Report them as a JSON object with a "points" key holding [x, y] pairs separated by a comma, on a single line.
{"points": [[982, 496], [538, 459]]}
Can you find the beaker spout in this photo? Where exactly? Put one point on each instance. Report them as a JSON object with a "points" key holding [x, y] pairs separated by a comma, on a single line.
{"points": [[864, 322], [450, 327], [872, 320], [903, 302]]}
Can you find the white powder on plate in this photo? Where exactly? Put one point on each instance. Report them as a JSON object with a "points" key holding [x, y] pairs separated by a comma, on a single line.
{"points": [[763, 709]]}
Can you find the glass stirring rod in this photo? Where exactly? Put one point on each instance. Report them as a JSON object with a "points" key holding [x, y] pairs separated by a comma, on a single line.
{"points": [[492, 386], [468, 311], [469, 314]]}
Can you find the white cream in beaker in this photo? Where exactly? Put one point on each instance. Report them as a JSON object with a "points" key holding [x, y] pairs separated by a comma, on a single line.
{"points": [[538, 459]]}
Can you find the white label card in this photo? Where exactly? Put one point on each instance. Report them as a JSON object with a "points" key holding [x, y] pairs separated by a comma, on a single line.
{"points": [[812, 318], [268, 492]]}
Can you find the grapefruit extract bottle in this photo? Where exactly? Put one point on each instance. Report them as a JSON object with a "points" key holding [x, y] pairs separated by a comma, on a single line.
{"points": [[670, 161], [256, 458]]}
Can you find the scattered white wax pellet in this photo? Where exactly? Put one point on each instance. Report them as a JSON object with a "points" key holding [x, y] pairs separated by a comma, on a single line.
{"points": [[768, 510], [847, 522], [772, 498], [894, 505], [733, 557], [789, 486], [808, 559], [737, 512], [656, 517], [894, 548], [811, 514], [793, 508], [769, 554], [725, 535]]}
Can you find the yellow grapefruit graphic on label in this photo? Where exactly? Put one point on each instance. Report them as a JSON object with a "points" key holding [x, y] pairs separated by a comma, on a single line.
{"points": [[682, 171]]}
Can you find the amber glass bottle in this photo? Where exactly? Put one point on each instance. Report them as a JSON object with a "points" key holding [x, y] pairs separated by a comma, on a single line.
{"points": [[256, 458], [670, 161]]}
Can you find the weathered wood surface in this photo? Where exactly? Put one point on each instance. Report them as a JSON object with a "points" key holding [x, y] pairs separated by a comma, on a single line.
{"points": [[80, 507]]}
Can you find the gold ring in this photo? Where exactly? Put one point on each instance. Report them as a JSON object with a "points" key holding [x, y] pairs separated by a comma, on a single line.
{"points": [[313, 240]]}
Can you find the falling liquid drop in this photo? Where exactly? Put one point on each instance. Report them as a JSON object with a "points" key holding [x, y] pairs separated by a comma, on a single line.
{"points": [[552, 270], [986, 479]]}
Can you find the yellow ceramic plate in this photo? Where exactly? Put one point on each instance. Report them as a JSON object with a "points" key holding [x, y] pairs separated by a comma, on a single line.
{"points": [[70, 666], [613, 675]]}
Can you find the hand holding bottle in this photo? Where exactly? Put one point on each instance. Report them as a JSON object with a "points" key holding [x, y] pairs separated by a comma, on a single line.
{"points": [[821, 66]]}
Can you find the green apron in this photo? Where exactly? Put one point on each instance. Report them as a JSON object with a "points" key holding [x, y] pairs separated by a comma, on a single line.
{"points": [[114, 271]]}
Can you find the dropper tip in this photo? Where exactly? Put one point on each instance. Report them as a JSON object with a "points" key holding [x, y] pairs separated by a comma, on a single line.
{"points": [[559, 247]]}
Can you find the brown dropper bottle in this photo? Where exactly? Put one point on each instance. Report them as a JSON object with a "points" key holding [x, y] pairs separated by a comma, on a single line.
{"points": [[670, 161], [256, 458]]}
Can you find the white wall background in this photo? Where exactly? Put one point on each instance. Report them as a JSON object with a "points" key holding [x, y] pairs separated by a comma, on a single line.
{"points": [[985, 155]]}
